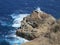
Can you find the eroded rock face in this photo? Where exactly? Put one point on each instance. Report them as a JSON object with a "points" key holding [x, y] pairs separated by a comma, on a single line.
{"points": [[40, 28], [50, 38], [53, 40], [35, 25]]}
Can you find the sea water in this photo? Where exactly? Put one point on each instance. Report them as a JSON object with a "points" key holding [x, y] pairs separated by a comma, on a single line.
{"points": [[13, 11]]}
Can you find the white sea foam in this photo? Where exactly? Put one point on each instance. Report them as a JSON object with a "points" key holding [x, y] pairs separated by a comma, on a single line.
{"points": [[38, 9], [17, 19], [13, 39], [17, 23]]}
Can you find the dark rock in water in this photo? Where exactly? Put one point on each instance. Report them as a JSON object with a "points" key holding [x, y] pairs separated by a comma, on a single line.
{"points": [[41, 28]]}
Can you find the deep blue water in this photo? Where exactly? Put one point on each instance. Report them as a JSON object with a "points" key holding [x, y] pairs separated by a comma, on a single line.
{"points": [[11, 8]]}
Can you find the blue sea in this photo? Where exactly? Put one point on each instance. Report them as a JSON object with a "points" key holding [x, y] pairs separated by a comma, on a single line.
{"points": [[13, 11]]}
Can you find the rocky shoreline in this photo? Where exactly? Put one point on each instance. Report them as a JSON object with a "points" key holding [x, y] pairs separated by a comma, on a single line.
{"points": [[40, 28]]}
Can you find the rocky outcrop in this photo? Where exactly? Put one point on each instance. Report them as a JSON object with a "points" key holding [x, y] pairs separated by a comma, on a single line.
{"points": [[50, 38], [40, 28]]}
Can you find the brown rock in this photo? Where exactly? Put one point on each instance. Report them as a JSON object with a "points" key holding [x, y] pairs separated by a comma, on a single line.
{"points": [[53, 40], [35, 25], [40, 28], [50, 38]]}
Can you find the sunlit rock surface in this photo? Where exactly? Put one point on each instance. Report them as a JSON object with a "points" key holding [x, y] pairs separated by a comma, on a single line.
{"points": [[41, 28]]}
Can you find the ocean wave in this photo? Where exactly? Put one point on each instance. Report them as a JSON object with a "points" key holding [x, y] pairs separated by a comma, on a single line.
{"points": [[17, 19], [13, 39]]}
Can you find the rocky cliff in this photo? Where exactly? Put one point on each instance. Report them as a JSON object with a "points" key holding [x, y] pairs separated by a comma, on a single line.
{"points": [[40, 28]]}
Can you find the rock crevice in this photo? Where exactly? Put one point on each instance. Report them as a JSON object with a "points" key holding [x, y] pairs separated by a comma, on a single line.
{"points": [[41, 28]]}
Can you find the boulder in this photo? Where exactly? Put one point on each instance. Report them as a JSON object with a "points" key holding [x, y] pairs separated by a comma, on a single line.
{"points": [[35, 24], [40, 28]]}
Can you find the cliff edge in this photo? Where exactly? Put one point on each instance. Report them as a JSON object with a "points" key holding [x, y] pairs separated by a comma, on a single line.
{"points": [[40, 28]]}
